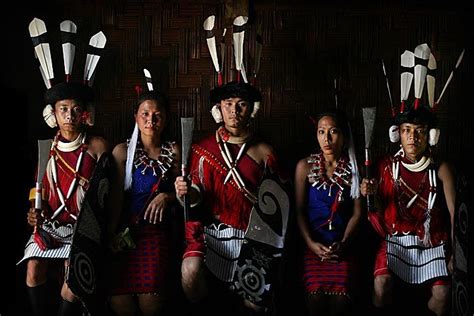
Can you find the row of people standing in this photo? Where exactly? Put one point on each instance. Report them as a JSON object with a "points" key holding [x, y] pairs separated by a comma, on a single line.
{"points": [[226, 171]]}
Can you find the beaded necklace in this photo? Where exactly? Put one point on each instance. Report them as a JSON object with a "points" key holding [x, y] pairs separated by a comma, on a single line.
{"points": [[341, 177], [318, 178], [164, 161], [66, 147]]}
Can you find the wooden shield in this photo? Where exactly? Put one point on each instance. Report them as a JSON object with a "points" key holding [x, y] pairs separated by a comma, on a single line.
{"points": [[264, 242]]}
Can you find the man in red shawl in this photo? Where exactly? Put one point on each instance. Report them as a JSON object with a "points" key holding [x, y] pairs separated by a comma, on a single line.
{"points": [[415, 202], [226, 170]]}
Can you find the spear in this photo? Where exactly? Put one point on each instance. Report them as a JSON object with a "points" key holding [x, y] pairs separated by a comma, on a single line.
{"points": [[187, 126], [368, 115], [42, 238], [388, 89], [450, 77], [258, 52]]}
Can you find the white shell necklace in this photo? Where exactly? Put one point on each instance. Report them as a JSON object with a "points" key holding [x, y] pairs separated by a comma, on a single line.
{"points": [[66, 147]]}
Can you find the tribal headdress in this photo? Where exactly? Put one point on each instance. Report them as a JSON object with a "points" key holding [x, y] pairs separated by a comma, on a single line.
{"points": [[417, 68], [66, 89], [240, 87]]}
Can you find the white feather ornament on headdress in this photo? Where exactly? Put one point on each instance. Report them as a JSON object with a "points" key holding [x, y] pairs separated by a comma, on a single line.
{"points": [[434, 136], [49, 117], [216, 114], [256, 107], [394, 134]]}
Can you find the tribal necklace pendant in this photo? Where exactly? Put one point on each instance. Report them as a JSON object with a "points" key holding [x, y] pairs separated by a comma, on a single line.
{"points": [[163, 163], [318, 178]]}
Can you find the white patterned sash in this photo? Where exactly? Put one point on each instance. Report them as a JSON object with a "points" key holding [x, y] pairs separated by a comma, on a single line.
{"points": [[223, 248], [414, 263]]}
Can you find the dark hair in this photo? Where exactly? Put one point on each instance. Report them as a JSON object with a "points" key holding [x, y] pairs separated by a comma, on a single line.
{"points": [[69, 90], [234, 89], [420, 116], [339, 117], [160, 99]]}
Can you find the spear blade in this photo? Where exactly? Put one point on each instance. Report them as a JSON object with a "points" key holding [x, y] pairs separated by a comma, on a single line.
{"points": [[44, 146], [387, 84], [187, 126], [450, 76], [368, 115]]}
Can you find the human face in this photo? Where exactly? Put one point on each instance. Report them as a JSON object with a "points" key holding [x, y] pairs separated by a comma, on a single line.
{"points": [[235, 113], [68, 115], [150, 117], [414, 139], [329, 136]]}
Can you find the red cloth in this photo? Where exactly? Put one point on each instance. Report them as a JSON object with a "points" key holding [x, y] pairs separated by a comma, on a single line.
{"points": [[194, 240], [222, 199], [396, 218], [143, 269], [65, 166], [327, 277]]}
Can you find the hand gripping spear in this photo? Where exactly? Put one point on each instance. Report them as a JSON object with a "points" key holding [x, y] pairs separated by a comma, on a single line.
{"points": [[369, 120], [187, 125], [42, 239]]}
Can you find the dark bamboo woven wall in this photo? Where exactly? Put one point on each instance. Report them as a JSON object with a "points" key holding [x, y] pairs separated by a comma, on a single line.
{"points": [[305, 47]]}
